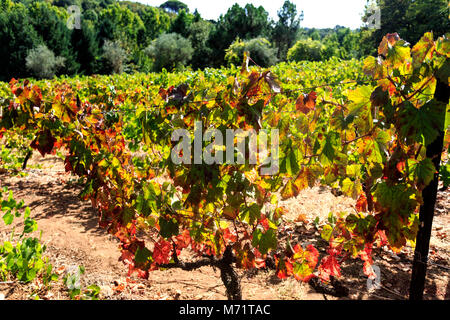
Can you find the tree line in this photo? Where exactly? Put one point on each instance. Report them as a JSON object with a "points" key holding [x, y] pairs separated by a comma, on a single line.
{"points": [[39, 39]]}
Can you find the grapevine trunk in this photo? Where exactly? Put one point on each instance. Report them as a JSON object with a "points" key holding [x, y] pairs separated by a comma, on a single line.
{"points": [[429, 194]]}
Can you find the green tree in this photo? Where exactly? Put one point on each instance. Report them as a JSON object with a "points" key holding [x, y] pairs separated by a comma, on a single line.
{"points": [[310, 50], [91, 15], [410, 19], [115, 56], [260, 50], [174, 6], [118, 22], [17, 36], [286, 28], [169, 51], [84, 42], [181, 23], [198, 35], [43, 63], [96, 5], [246, 23], [155, 22], [50, 23], [197, 16], [343, 43]]}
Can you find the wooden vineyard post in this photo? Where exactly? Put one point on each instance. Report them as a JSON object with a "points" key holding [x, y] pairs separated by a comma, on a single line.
{"points": [[429, 194]]}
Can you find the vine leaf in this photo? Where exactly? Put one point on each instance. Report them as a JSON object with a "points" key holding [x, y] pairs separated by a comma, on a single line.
{"points": [[422, 125], [273, 84], [168, 228], [161, 252], [290, 190], [264, 241], [306, 102], [329, 266], [424, 172], [373, 67], [44, 142], [305, 262], [423, 49], [388, 42]]}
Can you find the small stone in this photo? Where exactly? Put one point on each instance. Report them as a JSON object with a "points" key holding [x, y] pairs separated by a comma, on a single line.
{"points": [[106, 291]]}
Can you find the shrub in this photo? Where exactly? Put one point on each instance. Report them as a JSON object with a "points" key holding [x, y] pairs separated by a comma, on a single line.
{"points": [[115, 55], [43, 63], [308, 49], [260, 50], [199, 33], [170, 51]]}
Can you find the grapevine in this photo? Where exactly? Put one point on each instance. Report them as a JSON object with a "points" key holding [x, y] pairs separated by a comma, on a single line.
{"points": [[370, 136]]}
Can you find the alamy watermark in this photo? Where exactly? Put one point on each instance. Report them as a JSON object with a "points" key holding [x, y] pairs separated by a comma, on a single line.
{"points": [[74, 20], [374, 283], [73, 278], [374, 19], [240, 146]]}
